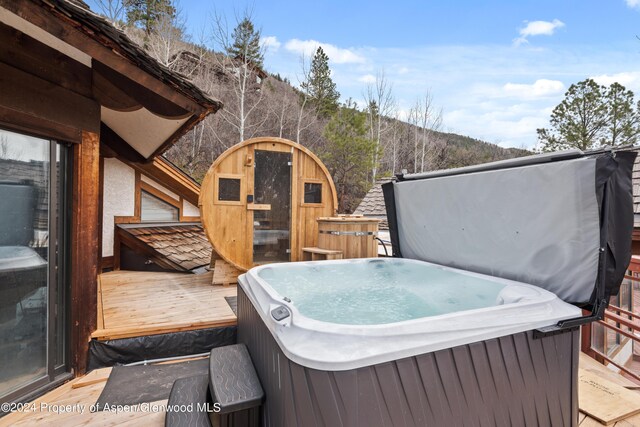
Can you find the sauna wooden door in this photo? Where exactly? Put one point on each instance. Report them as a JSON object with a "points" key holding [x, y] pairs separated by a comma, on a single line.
{"points": [[270, 191]]}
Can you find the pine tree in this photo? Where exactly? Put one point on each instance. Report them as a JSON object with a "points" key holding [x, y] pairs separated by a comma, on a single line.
{"points": [[148, 13], [349, 155], [319, 85], [578, 121], [623, 119], [246, 43]]}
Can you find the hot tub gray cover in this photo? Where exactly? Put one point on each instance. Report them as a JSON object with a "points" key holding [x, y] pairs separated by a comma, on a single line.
{"points": [[541, 223]]}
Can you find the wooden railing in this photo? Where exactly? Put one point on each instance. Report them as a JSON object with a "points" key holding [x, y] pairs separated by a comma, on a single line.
{"points": [[631, 334], [624, 322]]}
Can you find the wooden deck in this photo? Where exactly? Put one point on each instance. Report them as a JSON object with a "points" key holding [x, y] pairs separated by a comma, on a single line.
{"points": [[134, 304], [84, 392], [79, 395]]}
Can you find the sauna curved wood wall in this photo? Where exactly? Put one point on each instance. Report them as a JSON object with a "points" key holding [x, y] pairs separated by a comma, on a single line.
{"points": [[229, 224]]}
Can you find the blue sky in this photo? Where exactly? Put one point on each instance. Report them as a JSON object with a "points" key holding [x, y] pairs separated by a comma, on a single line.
{"points": [[497, 68]]}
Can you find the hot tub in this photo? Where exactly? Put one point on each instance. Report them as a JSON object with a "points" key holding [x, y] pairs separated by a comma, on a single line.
{"points": [[403, 342], [420, 340]]}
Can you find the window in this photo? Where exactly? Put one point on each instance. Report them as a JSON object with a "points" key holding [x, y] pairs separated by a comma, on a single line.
{"points": [[229, 189], [154, 209], [312, 192]]}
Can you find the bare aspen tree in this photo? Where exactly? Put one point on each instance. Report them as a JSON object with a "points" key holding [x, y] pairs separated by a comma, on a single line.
{"points": [[394, 141], [168, 39], [113, 10], [430, 121], [380, 104], [244, 69], [281, 113], [414, 120], [282, 106]]}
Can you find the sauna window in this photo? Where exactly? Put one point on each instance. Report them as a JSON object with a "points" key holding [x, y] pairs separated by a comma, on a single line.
{"points": [[312, 192], [153, 209], [229, 189]]}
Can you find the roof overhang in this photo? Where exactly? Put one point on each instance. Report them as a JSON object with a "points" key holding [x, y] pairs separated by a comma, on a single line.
{"points": [[145, 107]]}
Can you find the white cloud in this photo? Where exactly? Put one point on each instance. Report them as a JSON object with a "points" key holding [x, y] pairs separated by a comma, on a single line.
{"points": [[539, 28], [270, 42], [634, 4], [367, 78], [630, 79], [540, 88], [507, 126], [336, 55]]}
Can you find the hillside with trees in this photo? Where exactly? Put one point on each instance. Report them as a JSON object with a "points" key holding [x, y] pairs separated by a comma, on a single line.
{"points": [[358, 143]]}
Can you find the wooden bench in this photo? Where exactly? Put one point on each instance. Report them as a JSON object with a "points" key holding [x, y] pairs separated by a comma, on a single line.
{"points": [[234, 387], [317, 254]]}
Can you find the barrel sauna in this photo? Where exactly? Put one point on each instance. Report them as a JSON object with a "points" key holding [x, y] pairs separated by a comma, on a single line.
{"points": [[260, 199]]}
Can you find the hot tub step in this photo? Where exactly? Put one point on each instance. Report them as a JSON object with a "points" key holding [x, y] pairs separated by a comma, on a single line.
{"points": [[234, 386], [189, 401]]}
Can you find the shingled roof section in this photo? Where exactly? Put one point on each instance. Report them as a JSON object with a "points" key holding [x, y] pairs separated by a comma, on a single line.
{"points": [[182, 246], [99, 29], [373, 205]]}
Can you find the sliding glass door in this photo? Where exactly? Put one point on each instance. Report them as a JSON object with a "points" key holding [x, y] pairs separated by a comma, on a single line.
{"points": [[33, 206]]}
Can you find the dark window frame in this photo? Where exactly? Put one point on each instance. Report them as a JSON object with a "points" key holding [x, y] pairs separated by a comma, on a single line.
{"points": [[241, 200], [304, 192]]}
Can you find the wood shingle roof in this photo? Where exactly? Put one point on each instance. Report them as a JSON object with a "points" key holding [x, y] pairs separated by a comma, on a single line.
{"points": [[182, 247]]}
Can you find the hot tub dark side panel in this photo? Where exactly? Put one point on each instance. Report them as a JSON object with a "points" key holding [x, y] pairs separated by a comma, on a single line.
{"points": [[508, 381]]}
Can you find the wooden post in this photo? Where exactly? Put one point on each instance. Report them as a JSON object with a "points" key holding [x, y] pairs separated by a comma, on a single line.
{"points": [[85, 236], [585, 337]]}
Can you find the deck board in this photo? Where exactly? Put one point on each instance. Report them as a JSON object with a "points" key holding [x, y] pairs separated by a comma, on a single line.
{"points": [[86, 395], [606, 374], [149, 303]]}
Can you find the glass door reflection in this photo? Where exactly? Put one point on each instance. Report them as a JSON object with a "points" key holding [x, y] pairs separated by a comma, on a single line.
{"points": [[32, 337], [24, 242]]}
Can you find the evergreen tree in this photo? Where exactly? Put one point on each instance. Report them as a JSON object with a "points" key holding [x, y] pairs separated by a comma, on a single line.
{"points": [[246, 43], [592, 115], [319, 85], [147, 13], [349, 155], [623, 119]]}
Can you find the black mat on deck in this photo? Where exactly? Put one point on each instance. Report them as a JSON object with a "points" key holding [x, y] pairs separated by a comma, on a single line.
{"points": [[233, 303], [183, 343], [130, 385]]}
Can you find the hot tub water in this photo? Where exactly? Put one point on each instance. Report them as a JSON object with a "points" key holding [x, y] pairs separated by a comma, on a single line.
{"points": [[375, 292]]}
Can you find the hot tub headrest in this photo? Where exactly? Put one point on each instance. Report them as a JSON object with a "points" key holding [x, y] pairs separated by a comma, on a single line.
{"points": [[561, 221]]}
